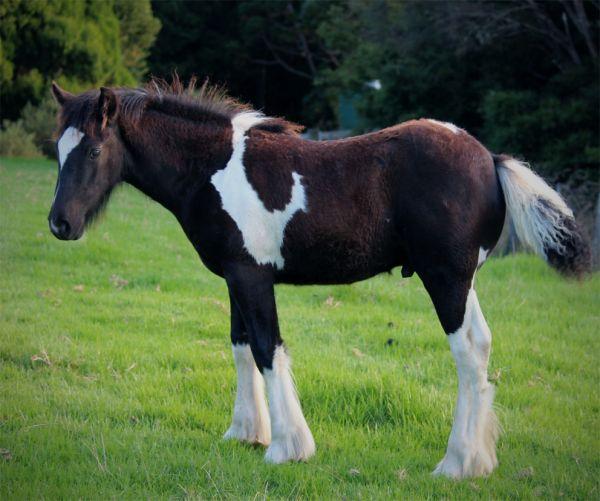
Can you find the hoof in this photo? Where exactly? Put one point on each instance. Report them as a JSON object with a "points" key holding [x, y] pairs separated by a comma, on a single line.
{"points": [[477, 464], [448, 467], [477, 458], [297, 446], [248, 434]]}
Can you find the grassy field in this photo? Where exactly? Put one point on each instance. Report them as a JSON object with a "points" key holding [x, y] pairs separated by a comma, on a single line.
{"points": [[116, 377]]}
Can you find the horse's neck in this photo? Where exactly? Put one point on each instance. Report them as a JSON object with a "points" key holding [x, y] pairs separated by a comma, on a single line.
{"points": [[168, 159]]}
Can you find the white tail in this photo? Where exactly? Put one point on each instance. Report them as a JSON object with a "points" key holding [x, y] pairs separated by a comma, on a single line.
{"points": [[542, 220]]}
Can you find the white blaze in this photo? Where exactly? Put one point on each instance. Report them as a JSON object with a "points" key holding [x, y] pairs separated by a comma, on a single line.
{"points": [[69, 140], [262, 230]]}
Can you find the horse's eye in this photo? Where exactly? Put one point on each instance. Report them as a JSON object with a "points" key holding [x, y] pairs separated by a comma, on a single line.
{"points": [[94, 153]]}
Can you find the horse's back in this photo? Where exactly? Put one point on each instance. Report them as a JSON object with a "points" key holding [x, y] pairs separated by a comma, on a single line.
{"points": [[431, 175]]}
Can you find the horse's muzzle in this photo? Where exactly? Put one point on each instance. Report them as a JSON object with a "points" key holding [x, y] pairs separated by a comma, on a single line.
{"points": [[62, 229]]}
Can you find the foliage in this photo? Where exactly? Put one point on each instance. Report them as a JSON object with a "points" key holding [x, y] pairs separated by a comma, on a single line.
{"points": [[40, 121], [116, 377], [511, 73], [138, 29], [79, 43], [17, 141], [521, 122], [285, 39], [198, 38], [31, 135], [521, 76], [221, 41]]}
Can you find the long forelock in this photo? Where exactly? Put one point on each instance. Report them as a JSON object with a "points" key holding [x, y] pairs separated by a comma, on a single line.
{"points": [[79, 112]]}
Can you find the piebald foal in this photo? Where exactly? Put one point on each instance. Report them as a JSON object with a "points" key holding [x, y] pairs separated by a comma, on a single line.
{"points": [[263, 206]]}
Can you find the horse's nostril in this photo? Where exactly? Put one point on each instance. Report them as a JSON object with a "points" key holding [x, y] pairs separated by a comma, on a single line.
{"points": [[60, 227], [64, 226]]}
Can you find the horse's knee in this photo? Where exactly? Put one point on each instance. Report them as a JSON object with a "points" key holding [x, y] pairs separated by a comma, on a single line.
{"points": [[483, 345], [263, 351], [481, 334]]}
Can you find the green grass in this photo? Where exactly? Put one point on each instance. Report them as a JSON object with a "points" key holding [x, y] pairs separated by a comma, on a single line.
{"points": [[116, 378]]}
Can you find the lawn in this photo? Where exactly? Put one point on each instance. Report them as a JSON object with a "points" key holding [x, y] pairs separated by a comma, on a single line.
{"points": [[116, 376]]}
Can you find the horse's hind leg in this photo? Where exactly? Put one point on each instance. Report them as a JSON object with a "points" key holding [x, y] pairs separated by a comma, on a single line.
{"points": [[485, 421], [472, 443]]}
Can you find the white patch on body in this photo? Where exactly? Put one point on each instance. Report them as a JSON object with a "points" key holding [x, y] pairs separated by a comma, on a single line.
{"points": [[291, 437], [472, 444], [451, 127], [250, 421], [69, 140], [483, 254], [262, 230]]}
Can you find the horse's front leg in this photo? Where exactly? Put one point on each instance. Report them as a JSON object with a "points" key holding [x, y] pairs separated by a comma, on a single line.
{"points": [[250, 421], [252, 290]]}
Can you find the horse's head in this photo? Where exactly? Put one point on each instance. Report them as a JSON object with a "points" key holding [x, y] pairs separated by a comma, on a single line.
{"points": [[90, 159]]}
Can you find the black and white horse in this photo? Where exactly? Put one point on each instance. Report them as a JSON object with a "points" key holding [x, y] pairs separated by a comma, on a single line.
{"points": [[263, 206]]}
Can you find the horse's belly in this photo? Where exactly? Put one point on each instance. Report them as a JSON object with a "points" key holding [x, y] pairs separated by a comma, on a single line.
{"points": [[338, 261]]}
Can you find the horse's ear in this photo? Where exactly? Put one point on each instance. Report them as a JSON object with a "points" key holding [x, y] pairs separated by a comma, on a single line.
{"points": [[61, 96], [108, 106]]}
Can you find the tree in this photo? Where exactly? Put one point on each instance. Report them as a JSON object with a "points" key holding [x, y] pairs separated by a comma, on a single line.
{"points": [[138, 29], [545, 105], [222, 41], [80, 43], [522, 76]]}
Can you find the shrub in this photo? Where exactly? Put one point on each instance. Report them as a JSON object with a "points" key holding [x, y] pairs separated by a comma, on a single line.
{"points": [[40, 121], [554, 134], [15, 141]]}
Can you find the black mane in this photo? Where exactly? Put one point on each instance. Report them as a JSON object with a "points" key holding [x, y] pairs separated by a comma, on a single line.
{"points": [[190, 102]]}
